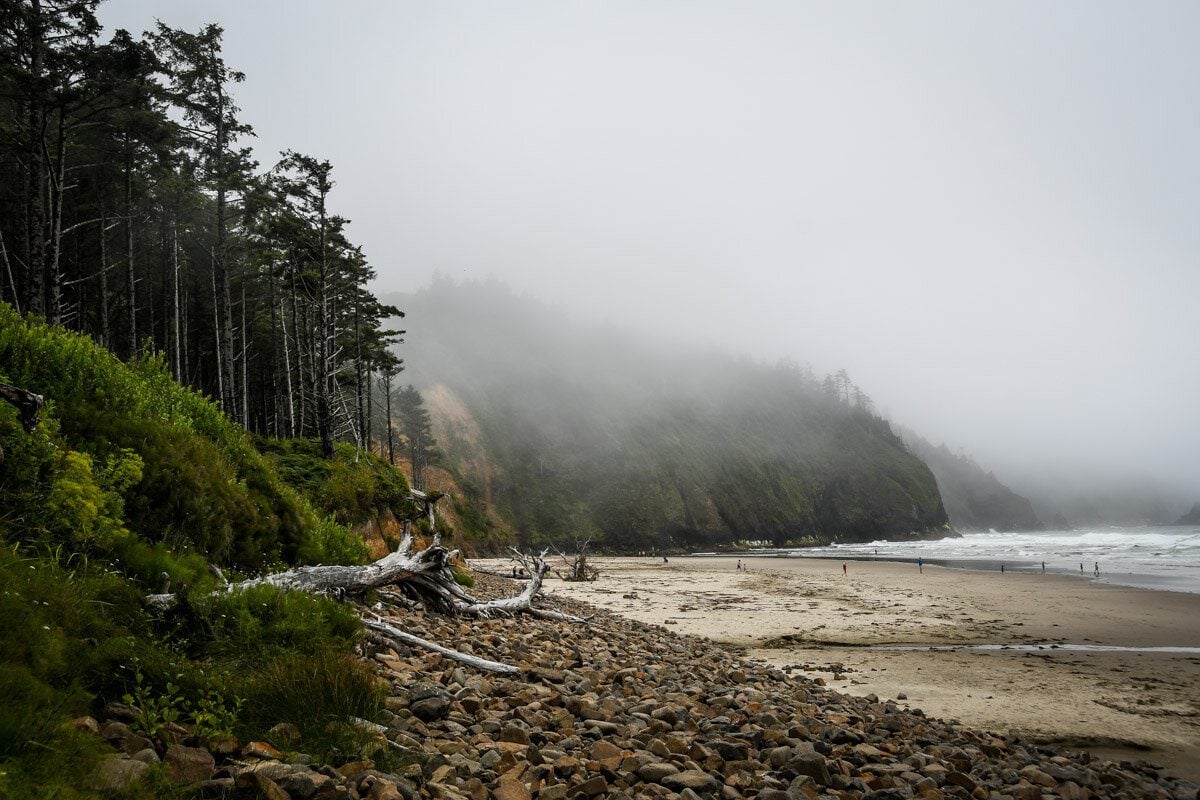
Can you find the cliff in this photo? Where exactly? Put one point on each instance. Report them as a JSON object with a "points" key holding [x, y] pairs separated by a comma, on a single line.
{"points": [[975, 499]]}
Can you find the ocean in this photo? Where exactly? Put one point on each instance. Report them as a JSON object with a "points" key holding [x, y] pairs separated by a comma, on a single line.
{"points": [[1165, 558]]}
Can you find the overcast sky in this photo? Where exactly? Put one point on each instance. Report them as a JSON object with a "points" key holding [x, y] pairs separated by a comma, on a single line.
{"points": [[988, 213]]}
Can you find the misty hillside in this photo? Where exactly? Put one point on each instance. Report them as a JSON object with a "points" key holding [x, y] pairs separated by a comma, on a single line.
{"points": [[562, 431], [975, 499], [1086, 500]]}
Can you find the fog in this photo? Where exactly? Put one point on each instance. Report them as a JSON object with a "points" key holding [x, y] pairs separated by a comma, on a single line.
{"points": [[986, 213]]}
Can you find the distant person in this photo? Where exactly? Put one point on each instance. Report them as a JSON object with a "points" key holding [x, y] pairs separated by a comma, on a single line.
{"points": [[1001, 569], [739, 566], [1043, 566], [844, 568], [1097, 569], [920, 564], [665, 559], [1081, 567]]}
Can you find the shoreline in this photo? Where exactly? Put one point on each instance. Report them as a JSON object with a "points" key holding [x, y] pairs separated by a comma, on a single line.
{"points": [[804, 615], [1139, 580]]}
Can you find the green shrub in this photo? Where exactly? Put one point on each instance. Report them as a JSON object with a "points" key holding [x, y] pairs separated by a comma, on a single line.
{"points": [[154, 711], [324, 693], [250, 624], [331, 543], [352, 488], [138, 451]]}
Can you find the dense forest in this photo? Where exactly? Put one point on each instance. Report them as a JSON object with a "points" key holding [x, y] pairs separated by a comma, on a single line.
{"points": [[561, 430], [132, 210]]}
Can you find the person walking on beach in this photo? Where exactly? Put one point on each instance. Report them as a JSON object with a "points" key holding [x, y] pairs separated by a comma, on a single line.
{"points": [[1001, 569], [920, 564], [844, 568], [1043, 566], [1097, 569]]}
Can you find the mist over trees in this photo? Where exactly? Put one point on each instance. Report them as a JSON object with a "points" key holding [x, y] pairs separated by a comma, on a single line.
{"points": [[975, 499], [132, 210], [581, 430]]}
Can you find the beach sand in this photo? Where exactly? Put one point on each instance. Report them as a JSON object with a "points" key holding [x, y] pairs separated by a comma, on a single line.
{"points": [[805, 614]]}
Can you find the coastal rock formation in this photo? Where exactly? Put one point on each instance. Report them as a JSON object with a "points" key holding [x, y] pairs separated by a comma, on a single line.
{"points": [[975, 499]]}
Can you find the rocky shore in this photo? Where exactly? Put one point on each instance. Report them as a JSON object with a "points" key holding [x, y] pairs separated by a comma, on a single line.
{"points": [[621, 709]]}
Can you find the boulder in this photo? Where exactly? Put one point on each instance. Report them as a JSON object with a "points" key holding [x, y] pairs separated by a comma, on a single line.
{"points": [[189, 764], [116, 774]]}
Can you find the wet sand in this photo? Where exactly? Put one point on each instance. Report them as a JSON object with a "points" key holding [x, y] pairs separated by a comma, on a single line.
{"points": [[804, 614]]}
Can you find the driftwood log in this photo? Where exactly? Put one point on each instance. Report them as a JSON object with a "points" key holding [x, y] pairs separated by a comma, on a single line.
{"points": [[405, 578], [28, 405], [577, 568]]}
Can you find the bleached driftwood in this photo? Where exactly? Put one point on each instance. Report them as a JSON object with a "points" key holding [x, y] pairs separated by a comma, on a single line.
{"points": [[577, 568], [424, 577], [387, 634]]}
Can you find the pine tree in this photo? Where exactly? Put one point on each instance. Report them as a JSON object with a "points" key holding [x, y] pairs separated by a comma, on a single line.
{"points": [[417, 428]]}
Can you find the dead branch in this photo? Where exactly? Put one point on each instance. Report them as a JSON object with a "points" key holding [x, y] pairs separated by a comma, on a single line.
{"points": [[28, 405], [577, 568], [423, 578], [386, 634]]}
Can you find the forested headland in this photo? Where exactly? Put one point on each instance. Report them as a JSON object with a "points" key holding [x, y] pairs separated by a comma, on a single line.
{"points": [[557, 429], [975, 499]]}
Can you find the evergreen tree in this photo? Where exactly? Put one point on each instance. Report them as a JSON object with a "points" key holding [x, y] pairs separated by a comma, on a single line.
{"points": [[417, 429], [130, 211]]}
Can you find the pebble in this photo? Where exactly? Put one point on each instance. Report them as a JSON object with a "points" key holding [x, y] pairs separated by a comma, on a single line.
{"points": [[615, 709]]}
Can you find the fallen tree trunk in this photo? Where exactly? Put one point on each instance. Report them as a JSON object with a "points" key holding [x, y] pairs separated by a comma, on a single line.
{"points": [[424, 577]]}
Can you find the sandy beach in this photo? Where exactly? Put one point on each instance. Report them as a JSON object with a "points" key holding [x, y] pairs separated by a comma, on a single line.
{"points": [[805, 615]]}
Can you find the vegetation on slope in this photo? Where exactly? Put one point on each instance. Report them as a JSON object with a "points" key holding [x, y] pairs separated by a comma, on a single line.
{"points": [[585, 432], [130, 476]]}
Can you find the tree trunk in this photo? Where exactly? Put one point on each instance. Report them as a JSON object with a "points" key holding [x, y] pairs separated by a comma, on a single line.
{"points": [[221, 269], [130, 277], [245, 364], [218, 350], [14, 295], [287, 373], [324, 410], [360, 403], [391, 440], [35, 170], [176, 349], [54, 265], [105, 332]]}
